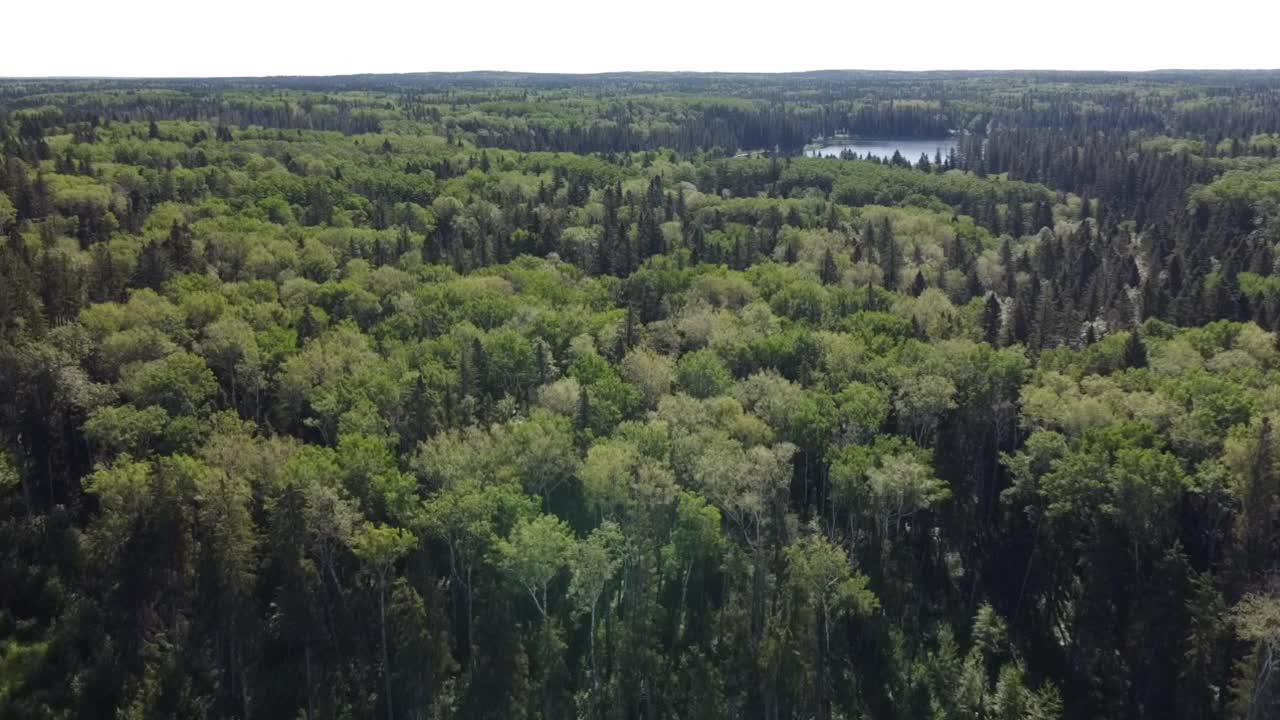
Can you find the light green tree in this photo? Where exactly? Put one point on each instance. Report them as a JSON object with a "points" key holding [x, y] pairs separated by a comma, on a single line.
{"points": [[921, 401], [535, 554], [820, 573], [594, 563], [653, 374], [1257, 621], [703, 374], [380, 547], [899, 487]]}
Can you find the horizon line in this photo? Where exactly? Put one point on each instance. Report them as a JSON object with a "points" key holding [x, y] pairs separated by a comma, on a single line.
{"points": [[605, 73]]}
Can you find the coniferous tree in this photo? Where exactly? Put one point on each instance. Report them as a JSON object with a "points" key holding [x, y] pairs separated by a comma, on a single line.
{"points": [[1017, 224], [891, 256], [992, 317], [1132, 276], [830, 273], [1007, 264], [1135, 351], [918, 285]]}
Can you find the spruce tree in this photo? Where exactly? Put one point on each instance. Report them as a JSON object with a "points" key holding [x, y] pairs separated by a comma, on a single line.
{"points": [[991, 320], [919, 285], [1135, 351], [830, 273], [1226, 297]]}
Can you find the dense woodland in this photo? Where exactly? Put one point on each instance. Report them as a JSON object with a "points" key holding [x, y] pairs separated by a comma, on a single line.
{"points": [[508, 396]]}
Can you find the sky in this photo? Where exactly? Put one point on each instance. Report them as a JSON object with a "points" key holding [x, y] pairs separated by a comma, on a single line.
{"points": [[161, 38]]}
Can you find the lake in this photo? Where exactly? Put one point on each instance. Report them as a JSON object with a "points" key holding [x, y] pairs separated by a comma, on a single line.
{"points": [[910, 149]]}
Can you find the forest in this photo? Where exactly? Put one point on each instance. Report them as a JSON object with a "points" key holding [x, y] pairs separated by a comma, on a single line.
{"points": [[437, 396]]}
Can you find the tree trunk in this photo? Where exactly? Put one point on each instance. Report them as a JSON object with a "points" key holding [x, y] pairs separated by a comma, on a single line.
{"points": [[26, 494], [467, 589], [595, 670], [679, 621], [386, 665], [824, 650], [1260, 685], [306, 655], [757, 595]]}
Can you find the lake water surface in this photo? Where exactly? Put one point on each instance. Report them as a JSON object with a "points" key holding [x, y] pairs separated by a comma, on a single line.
{"points": [[910, 149]]}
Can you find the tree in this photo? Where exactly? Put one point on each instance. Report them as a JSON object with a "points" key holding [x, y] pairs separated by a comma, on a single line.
{"points": [[820, 573], [538, 451], [891, 256], [466, 517], [696, 537], [1254, 460], [334, 375], [703, 374], [899, 487], [830, 273], [746, 485], [992, 321], [537, 552], [232, 351], [621, 481], [918, 285], [652, 373], [594, 564], [920, 402], [380, 547], [180, 383], [1135, 351], [1257, 621], [1012, 699], [8, 213]]}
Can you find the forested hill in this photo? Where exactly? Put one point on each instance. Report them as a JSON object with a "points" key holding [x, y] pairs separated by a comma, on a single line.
{"points": [[512, 396]]}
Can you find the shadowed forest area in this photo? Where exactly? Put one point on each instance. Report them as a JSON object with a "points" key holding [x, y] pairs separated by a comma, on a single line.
{"points": [[546, 396]]}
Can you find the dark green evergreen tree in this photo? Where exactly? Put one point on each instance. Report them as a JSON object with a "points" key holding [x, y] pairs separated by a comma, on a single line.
{"points": [[1135, 351]]}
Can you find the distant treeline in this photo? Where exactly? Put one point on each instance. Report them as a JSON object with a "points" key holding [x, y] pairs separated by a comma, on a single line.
{"points": [[686, 112]]}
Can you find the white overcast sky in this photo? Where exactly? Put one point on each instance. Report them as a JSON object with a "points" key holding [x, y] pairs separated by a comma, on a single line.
{"points": [[168, 38]]}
